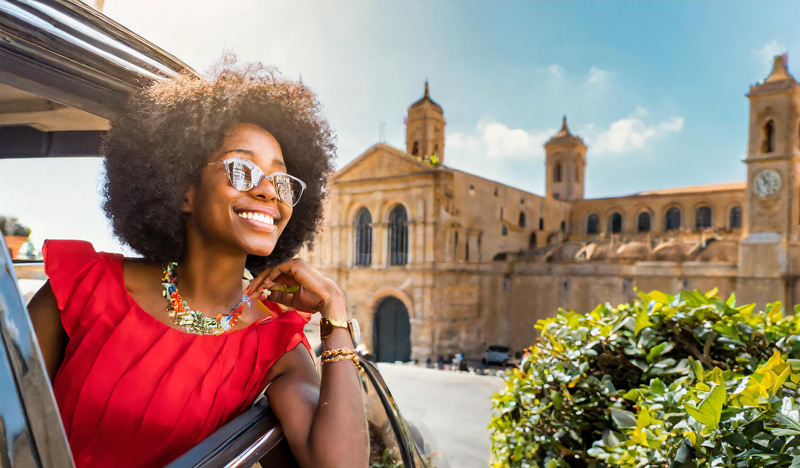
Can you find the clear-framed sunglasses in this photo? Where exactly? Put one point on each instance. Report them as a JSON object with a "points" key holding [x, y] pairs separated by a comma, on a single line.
{"points": [[245, 175]]}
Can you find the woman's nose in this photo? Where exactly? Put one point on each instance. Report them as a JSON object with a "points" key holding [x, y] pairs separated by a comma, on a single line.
{"points": [[265, 189]]}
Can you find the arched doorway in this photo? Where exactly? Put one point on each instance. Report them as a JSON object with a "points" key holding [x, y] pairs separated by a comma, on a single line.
{"points": [[391, 331]]}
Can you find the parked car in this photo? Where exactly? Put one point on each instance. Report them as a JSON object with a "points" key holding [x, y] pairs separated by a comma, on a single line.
{"points": [[497, 355], [67, 69]]}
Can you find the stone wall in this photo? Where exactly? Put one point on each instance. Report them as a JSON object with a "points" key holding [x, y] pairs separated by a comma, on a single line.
{"points": [[524, 292]]}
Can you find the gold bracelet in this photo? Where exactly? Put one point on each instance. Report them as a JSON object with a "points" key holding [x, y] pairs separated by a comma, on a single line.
{"points": [[341, 354], [341, 357], [338, 352]]}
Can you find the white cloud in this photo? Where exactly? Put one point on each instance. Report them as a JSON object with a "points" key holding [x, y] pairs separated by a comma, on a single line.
{"points": [[770, 50], [556, 70], [633, 133], [504, 142], [597, 76], [496, 140]]}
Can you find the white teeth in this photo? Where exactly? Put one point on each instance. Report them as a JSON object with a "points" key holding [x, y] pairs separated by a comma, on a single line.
{"points": [[260, 217]]}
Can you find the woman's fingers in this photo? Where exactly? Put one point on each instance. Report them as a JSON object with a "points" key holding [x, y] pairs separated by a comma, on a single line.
{"points": [[294, 284]]}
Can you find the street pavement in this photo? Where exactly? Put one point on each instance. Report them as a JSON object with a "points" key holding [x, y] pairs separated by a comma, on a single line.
{"points": [[452, 408]]}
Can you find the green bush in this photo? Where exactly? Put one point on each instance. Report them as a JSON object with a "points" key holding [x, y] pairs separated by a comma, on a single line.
{"points": [[668, 381]]}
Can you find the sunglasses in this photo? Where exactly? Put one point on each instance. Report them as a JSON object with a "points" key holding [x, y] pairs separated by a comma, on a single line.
{"points": [[245, 175]]}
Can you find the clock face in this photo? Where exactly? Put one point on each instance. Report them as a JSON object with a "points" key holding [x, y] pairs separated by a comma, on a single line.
{"points": [[767, 183]]}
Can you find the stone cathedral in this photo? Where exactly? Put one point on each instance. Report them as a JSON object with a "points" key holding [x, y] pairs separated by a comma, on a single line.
{"points": [[436, 261]]}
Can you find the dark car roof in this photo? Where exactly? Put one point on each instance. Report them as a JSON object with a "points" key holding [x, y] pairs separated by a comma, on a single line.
{"points": [[68, 52]]}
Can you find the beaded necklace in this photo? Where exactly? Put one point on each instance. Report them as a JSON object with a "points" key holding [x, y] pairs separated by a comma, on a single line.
{"points": [[194, 321]]}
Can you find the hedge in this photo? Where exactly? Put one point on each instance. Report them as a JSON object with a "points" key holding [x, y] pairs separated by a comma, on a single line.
{"points": [[669, 381]]}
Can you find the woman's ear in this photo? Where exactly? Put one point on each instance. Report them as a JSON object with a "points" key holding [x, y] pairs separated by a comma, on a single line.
{"points": [[187, 205]]}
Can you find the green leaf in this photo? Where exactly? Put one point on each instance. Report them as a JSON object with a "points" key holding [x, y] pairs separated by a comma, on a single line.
{"points": [[657, 386], [710, 408], [642, 322], [731, 300], [632, 394], [683, 457], [623, 419], [656, 351], [661, 297]]}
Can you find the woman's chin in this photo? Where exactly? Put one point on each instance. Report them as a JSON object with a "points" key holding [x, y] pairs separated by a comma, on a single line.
{"points": [[260, 250]]}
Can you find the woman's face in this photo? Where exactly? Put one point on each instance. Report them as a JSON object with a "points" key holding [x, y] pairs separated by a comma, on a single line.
{"points": [[222, 215]]}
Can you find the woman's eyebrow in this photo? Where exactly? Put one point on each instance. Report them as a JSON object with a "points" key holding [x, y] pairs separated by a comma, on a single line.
{"points": [[275, 161]]}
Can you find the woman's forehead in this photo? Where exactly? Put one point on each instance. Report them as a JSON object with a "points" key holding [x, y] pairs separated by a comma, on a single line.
{"points": [[265, 160], [254, 143]]}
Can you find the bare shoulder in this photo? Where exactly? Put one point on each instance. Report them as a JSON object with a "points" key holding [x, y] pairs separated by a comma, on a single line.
{"points": [[142, 280]]}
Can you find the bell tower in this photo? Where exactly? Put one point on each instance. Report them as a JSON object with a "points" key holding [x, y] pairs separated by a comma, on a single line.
{"points": [[565, 165], [773, 183], [425, 128]]}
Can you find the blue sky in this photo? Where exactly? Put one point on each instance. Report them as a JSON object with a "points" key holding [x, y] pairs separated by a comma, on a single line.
{"points": [[656, 89]]}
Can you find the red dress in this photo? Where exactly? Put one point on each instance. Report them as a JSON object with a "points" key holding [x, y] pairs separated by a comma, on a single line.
{"points": [[135, 392]]}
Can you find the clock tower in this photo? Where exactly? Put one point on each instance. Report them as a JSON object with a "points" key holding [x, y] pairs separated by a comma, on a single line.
{"points": [[770, 236]]}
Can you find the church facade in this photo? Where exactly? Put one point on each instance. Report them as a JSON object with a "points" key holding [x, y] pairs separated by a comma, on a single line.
{"points": [[436, 261]]}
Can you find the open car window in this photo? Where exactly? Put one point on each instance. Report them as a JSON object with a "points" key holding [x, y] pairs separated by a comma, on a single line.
{"points": [[65, 70]]}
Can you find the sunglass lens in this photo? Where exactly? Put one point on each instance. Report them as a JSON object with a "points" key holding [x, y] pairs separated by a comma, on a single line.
{"points": [[240, 175], [287, 189]]}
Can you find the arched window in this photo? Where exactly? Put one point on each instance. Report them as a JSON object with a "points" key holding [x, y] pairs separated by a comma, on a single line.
{"points": [[455, 245], [541, 224], [363, 237], [591, 224], [557, 173], [398, 236], [615, 223], [563, 226], [415, 150], [643, 222], [735, 218], [521, 219], [703, 220], [532, 241], [504, 230], [768, 137], [673, 219]]}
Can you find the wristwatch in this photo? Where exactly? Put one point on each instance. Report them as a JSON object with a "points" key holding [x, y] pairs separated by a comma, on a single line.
{"points": [[326, 328]]}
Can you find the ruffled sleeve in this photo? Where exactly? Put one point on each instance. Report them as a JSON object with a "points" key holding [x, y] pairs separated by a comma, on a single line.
{"points": [[290, 324], [74, 269]]}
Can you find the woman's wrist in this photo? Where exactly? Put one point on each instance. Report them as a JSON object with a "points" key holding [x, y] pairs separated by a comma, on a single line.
{"points": [[339, 338], [334, 307]]}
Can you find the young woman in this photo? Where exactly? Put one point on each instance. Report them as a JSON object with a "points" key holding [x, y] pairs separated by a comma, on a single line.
{"points": [[205, 178]]}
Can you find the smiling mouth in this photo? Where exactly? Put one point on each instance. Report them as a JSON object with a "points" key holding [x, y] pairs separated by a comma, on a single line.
{"points": [[258, 217]]}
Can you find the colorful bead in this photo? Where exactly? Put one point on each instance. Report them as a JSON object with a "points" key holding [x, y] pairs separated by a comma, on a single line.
{"points": [[193, 320]]}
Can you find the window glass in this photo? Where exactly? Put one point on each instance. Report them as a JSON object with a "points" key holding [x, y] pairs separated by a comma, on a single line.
{"points": [[643, 222], [703, 217], [398, 236], [384, 451], [735, 221], [673, 219], [591, 224], [615, 223], [363, 238]]}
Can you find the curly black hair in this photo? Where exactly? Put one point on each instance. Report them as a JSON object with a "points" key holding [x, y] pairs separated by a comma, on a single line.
{"points": [[168, 131]]}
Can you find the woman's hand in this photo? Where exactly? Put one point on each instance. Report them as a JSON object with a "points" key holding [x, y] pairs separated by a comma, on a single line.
{"points": [[298, 285]]}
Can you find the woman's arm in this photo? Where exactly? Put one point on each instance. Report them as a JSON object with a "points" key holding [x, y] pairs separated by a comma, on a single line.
{"points": [[324, 420], [46, 318]]}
